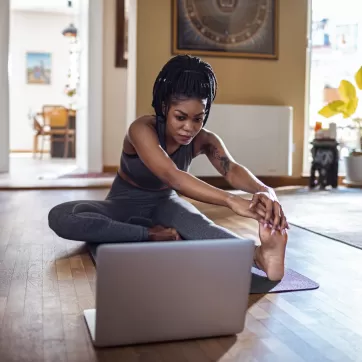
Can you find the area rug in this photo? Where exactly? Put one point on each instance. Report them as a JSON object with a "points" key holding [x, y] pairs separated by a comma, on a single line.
{"points": [[335, 213], [88, 175], [260, 284]]}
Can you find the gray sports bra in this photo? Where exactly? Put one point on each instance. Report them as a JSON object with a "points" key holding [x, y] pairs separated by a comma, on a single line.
{"points": [[138, 172]]}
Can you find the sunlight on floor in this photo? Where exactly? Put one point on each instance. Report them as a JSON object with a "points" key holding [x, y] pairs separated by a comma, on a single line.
{"points": [[28, 172], [23, 165]]}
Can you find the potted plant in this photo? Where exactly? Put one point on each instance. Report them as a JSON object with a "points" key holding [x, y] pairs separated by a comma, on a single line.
{"points": [[348, 106], [70, 92]]}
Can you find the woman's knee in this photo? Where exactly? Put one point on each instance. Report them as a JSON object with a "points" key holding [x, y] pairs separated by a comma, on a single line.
{"points": [[86, 206], [78, 220], [58, 220]]}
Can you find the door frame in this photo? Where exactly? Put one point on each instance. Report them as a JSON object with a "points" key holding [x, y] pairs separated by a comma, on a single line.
{"points": [[90, 107], [306, 152]]}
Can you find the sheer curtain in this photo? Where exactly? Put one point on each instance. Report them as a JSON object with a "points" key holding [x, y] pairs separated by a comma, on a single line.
{"points": [[4, 85]]}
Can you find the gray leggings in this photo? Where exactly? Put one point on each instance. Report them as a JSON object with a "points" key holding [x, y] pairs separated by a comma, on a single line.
{"points": [[127, 213]]}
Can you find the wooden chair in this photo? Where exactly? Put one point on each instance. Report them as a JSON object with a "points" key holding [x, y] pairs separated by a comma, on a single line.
{"points": [[55, 126]]}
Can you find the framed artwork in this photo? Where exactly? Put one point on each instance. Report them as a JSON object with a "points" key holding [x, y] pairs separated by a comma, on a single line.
{"points": [[226, 28], [121, 34], [38, 68]]}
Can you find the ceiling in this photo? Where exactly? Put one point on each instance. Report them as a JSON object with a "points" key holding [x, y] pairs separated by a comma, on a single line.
{"points": [[57, 6]]}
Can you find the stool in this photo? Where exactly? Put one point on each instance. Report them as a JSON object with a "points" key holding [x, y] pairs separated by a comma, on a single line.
{"points": [[325, 162]]}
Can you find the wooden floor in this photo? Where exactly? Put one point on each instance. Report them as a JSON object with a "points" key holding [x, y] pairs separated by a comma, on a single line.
{"points": [[46, 282]]}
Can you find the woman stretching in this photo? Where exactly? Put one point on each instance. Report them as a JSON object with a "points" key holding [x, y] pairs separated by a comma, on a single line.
{"points": [[143, 203]]}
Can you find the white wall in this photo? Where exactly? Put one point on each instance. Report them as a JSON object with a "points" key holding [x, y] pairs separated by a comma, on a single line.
{"points": [[4, 86], [45, 5], [35, 32]]}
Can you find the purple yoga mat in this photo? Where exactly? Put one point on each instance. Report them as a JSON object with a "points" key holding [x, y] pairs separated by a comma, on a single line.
{"points": [[292, 281], [260, 284]]}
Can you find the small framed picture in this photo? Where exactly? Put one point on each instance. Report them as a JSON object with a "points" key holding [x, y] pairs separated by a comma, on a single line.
{"points": [[39, 68]]}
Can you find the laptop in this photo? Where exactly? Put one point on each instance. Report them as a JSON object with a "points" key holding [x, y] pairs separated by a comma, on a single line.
{"points": [[168, 291]]}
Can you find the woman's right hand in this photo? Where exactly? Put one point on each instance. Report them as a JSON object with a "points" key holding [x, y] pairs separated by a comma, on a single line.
{"points": [[242, 207]]}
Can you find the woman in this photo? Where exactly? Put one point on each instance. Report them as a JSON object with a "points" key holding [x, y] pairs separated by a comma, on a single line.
{"points": [[143, 203]]}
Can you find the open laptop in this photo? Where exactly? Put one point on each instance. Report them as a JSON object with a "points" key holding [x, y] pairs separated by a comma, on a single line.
{"points": [[163, 291]]}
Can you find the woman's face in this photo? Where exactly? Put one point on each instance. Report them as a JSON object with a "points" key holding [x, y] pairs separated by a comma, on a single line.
{"points": [[185, 119]]}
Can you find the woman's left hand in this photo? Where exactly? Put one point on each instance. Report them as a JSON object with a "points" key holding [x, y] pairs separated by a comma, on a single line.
{"points": [[273, 208]]}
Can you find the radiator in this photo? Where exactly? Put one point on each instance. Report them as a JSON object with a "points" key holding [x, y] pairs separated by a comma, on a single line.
{"points": [[257, 136]]}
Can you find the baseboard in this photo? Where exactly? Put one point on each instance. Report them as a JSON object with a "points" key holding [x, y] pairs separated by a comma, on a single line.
{"points": [[28, 151], [272, 181], [107, 169]]}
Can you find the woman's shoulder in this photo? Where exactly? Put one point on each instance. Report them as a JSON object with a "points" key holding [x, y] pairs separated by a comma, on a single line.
{"points": [[203, 136], [203, 140], [199, 141], [137, 127], [145, 120]]}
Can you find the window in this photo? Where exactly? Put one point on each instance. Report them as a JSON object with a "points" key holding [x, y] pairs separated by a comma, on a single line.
{"points": [[336, 49]]}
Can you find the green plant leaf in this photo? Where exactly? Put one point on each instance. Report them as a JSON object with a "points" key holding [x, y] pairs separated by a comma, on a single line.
{"points": [[358, 78], [347, 90], [331, 109]]}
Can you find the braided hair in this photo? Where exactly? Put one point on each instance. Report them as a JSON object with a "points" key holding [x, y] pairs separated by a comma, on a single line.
{"points": [[182, 77]]}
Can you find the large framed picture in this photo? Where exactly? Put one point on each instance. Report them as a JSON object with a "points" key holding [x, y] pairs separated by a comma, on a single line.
{"points": [[226, 28]]}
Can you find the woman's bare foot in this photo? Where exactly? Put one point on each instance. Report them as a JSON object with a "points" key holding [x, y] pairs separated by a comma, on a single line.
{"points": [[160, 233], [270, 255]]}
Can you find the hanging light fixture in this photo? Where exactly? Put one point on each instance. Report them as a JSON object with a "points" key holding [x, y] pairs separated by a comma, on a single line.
{"points": [[70, 31]]}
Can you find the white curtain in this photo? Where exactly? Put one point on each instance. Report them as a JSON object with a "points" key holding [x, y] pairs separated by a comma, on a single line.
{"points": [[4, 85]]}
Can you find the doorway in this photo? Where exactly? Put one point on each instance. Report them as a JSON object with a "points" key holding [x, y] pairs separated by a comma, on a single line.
{"points": [[43, 75], [54, 61]]}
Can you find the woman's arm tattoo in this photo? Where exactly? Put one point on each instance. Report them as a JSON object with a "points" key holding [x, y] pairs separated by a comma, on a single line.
{"points": [[212, 151]]}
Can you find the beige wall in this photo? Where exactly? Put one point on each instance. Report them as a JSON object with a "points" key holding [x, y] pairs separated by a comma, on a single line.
{"points": [[114, 95], [241, 81]]}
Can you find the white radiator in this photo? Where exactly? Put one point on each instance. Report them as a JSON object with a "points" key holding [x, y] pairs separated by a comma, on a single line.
{"points": [[258, 137]]}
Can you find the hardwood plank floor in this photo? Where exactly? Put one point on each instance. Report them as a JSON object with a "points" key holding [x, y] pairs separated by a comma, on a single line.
{"points": [[46, 283]]}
